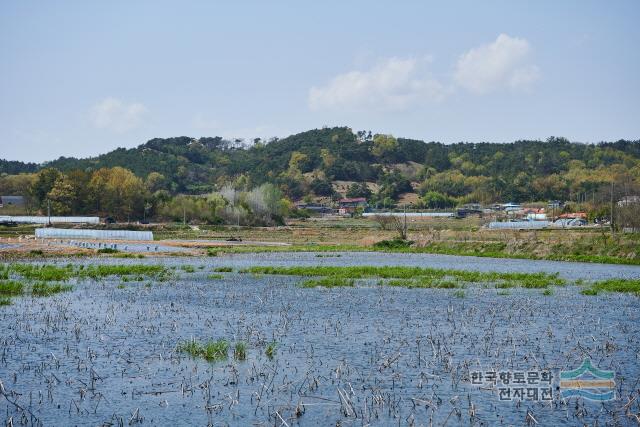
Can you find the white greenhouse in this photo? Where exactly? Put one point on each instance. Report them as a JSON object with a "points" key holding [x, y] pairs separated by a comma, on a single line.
{"points": [[519, 225], [52, 219], [70, 233]]}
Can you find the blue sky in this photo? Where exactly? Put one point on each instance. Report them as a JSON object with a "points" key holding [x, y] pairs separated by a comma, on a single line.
{"points": [[82, 78]]}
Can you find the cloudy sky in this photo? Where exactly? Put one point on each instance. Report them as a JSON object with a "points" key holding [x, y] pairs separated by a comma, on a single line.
{"points": [[82, 78]]}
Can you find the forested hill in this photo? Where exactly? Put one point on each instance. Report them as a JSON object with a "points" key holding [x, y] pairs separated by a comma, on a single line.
{"points": [[12, 167], [306, 163]]}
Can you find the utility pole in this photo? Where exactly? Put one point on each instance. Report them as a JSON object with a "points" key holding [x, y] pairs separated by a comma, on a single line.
{"points": [[611, 219], [405, 221]]}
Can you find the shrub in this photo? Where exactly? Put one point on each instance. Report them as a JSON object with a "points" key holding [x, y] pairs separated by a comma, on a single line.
{"points": [[393, 244]]}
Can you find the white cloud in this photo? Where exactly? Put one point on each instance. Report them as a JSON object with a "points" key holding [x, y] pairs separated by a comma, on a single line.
{"points": [[394, 84], [503, 63], [116, 115]]}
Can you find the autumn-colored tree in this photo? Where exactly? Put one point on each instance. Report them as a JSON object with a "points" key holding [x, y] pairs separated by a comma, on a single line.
{"points": [[118, 192]]}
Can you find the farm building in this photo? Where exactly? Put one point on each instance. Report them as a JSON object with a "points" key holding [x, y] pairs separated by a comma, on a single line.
{"points": [[351, 205], [629, 200], [314, 207], [7, 201]]}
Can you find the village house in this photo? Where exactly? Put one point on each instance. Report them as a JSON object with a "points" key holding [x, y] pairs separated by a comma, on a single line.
{"points": [[349, 206], [11, 201], [628, 200]]}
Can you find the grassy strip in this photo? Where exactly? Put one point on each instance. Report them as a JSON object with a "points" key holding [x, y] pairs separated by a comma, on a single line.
{"points": [[40, 289], [417, 276], [421, 282], [46, 272], [488, 250], [614, 285], [44, 289], [54, 273], [11, 287], [5, 301], [128, 255], [107, 251], [327, 282]]}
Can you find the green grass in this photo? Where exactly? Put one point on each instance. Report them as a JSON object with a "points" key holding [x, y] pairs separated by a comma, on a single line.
{"points": [[5, 301], [270, 350], [618, 285], [547, 292], [107, 251], [503, 293], [417, 276], [591, 292], [55, 273], [327, 282], [209, 350], [223, 269], [43, 289], [394, 244], [240, 351], [44, 273], [188, 268], [421, 282], [11, 287], [215, 276], [127, 255]]}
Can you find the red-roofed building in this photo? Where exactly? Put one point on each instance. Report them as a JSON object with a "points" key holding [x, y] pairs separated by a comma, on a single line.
{"points": [[573, 215]]}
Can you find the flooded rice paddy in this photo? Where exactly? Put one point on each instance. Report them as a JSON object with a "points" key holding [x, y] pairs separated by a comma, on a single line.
{"points": [[106, 353]]}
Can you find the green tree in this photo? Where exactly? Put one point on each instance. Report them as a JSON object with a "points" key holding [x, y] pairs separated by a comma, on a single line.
{"points": [[43, 184], [62, 196], [359, 190], [435, 200], [384, 146]]}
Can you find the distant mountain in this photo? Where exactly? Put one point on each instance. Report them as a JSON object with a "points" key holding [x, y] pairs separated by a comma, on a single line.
{"points": [[197, 165]]}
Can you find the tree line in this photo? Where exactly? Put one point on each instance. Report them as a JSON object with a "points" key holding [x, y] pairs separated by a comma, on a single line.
{"points": [[380, 167], [118, 193]]}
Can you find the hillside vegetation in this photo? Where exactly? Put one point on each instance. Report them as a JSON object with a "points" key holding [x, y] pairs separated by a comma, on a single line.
{"points": [[379, 167]]}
